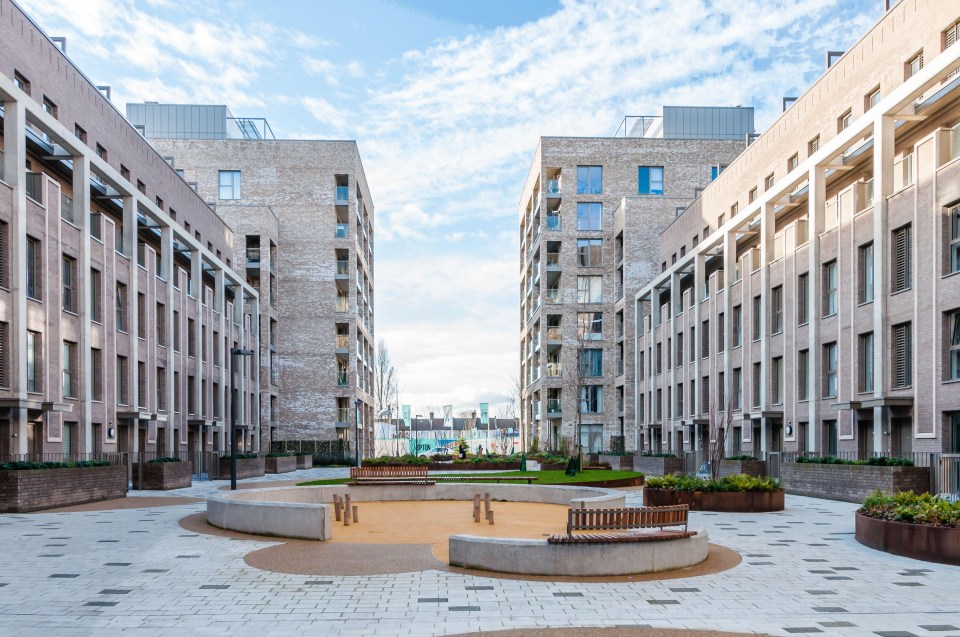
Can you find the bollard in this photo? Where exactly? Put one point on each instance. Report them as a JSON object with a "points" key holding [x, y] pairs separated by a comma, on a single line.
{"points": [[476, 508], [486, 502], [490, 516], [337, 507], [346, 510], [356, 518]]}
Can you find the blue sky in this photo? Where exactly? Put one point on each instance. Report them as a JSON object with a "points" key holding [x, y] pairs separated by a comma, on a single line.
{"points": [[447, 100]]}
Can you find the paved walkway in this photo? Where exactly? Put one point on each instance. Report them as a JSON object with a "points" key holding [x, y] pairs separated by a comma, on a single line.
{"points": [[137, 571]]}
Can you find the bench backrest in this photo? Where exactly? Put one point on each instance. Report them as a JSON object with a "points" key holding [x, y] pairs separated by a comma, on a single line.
{"points": [[626, 518], [388, 472]]}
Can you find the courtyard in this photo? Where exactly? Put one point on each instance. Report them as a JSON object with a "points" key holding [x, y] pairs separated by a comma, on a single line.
{"points": [[141, 570]]}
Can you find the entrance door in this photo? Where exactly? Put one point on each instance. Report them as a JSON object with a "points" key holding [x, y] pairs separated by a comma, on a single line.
{"points": [[97, 439], [955, 433], [775, 442], [757, 451], [830, 437], [801, 437], [865, 437], [901, 439]]}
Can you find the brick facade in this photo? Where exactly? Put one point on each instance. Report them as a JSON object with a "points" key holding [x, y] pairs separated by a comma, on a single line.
{"points": [[162, 476], [39, 489], [851, 483]]}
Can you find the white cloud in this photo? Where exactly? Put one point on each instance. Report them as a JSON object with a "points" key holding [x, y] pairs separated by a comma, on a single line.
{"points": [[326, 113]]}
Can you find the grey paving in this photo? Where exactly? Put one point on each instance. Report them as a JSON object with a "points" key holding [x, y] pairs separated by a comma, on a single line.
{"points": [[168, 582]]}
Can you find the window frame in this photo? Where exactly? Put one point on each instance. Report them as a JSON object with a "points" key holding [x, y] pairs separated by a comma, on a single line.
{"points": [[650, 175], [232, 188], [589, 214], [586, 186]]}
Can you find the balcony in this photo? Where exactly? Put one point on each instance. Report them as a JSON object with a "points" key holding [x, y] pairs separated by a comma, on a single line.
{"points": [[342, 341], [552, 295], [33, 184], [343, 230], [553, 260], [344, 415], [619, 367], [342, 378], [554, 370], [553, 188], [343, 304], [536, 410], [253, 257], [554, 334], [554, 222], [553, 408], [343, 195], [343, 267]]}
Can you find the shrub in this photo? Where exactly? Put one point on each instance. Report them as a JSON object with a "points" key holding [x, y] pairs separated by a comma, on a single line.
{"points": [[244, 456], [880, 461], [169, 459], [738, 458], [21, 465], [906, 506], [729, 484], [658, 455], [279, 454], [394, 461]]}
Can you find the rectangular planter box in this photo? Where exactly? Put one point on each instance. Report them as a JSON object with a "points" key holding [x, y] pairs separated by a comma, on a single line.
{"points": [[304, 462], [281, 464], [618, 463], [755, 468], [850, 483], [163, 475], [652, 466], [246, 468], [732, 502], [39, 489]]}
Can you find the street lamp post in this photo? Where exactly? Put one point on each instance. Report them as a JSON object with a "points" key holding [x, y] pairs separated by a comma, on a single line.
{"points": [[356, 429], [234, 352]]}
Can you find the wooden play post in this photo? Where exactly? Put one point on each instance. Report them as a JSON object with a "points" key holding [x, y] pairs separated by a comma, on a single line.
{"points": [[356, 518], [337, 507], [347, 511], [490, 516], [476, 508], [486, 503]]}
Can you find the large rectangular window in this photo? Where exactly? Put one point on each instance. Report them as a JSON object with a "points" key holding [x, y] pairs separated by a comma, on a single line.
{"points": [[121, 307], [590, 252], [757, 315], [803, 296], [737, 325], [589, 216], [830, 363], [96, 296], [776, 384], [866, 362], [953, 346], [900, 253], [589, 180], [902, 354], [590, 326], [69, 369], [803, 374], [34, 368], [705, 339], [865, 272], [738, 388], [776, 310], [123, 381], [591, 362], [69, 282], [229, 184], [650, 180], [954, 223], [830, 282], [96, 374], [589, 289], [34, 269], [591, 399]]}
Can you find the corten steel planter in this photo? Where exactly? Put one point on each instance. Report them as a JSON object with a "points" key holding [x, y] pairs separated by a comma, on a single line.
{"points": [[850, 482], [304, 462], [755, 468], [39, 489], [162, 476], [618, 463], [246, 468], [280, 464], [731, 502], [652, 466], [609, 484], [918, 541]]}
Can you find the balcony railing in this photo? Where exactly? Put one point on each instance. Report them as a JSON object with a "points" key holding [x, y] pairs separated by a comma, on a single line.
{"points": [[553, 258], [343, 341], [33, 184], [343, 414], [554, 334], [343, 266], [554, 370], [66, 207], [343, 195], [554, 222], [342, 378], [343, 230], [343, 304], [619, 366], [536, 410], [253, 256], [553, 406], [553, 187], [552, 295]]}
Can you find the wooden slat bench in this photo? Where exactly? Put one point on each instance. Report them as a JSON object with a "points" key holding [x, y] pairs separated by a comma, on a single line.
{"points": [[389, 475], [623, 519]]}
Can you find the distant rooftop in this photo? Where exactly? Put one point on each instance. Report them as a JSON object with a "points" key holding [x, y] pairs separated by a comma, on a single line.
{"points": [[195, 121], [691, 122]]}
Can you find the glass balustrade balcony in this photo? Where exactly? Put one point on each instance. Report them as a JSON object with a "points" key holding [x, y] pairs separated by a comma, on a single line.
{"points": [[553, 406], [343, 304], [342, 378], [343, 195], [343, 230], [554, 370], [554, 222], [343, 341], [553, 188], [344, 414], [343, 266], [554, 334], [552, 295]]}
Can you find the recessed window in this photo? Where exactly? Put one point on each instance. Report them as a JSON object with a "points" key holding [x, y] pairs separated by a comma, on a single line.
{"points": [[737, 325], [866, 362], [80, 133], [954, 225], [21, 82], [650, 180], [589, 289], [803, 363], [865, 273], [34, 368], [872, 99], [813, 145], [49, 106], [101, 152], [69, 284], [776, 310], [830, 282], [913, 66], [124, 172], [590, 252], [830, 363], [591, 399], [844, 121], [793, 162], [716, 170], [768, 182], [589, 216], [953, 345], [142, 187], [803, 295], [70, 385], [34, 268], [591, 362], [753, 195], [902, 354], [589, 180], [901, 257], [229, 184]]}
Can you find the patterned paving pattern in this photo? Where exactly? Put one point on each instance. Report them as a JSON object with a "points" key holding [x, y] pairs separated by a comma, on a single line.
{"points": [[139, 572]]}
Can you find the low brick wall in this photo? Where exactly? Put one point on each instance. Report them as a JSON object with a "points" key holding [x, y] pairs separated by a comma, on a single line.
{"points": [[304, 462], [246, 468], [651, 466], [755, 468], [163, 476], [618, 463], [281, 464], [39, 489], [850, 483], [732, 502]]}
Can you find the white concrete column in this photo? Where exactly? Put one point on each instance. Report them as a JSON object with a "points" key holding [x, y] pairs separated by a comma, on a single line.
{"points": [[669, 347], [196, 285], [15, 166], [256, 417], [221, 361], [130, 249], [81, 214], [699, 278], [767, 227], [729, 267], [883, 150], [167, 272], [816, 206]]}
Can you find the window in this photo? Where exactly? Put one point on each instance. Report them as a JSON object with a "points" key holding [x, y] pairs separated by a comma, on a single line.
{"points": [[872, 99], [191, 338], [705, 339], [69, 370], [900, 253], [950, 35], [96, 374], [229, 184], [176, 331], [141, 384], [865, 283], [80, 133], [830, 382], [590, 326], [757, 314], [591, 362], [589, 289], [953, 351], [768, 182], [96, 296], [679, 355], [803, 295], [737, 388], [141, 315], [752, 196], [161, 324], [49, 106], [589, 216], [34, 269], [162, 390], [591, 399], [121, 307], [69, 275], [776, 384], [902, 356], [813, 145], [721, 334], [776, 310], [830, 288], [101, 152], [793, 162], [843, 122], [589, 180], [659, 365], [866, 362], [716, 170], [34, 372], [21, 82], [124, 172], [650, 180], [693, 344], [803, 374], [590, 252], [913, 66], [955, 238], [123, 381], [737, 325], [757, 375]]}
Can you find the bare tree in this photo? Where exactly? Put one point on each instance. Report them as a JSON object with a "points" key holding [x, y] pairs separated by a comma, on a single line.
{"points": [[385, 385], [719, 424]]}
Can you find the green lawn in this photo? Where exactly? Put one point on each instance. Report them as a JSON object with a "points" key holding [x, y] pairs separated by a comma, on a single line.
{"points": [[545, 477]]}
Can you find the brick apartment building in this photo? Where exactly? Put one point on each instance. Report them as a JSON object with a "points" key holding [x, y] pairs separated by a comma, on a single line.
{"points": [[119, 302], [812, 289], [590, 214], [303, 218]]}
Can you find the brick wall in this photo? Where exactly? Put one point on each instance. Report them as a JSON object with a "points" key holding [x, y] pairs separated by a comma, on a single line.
{"points": [[164, 475], [657, 466], [755, 468], [246, 468], [851, 483], [39, 489]]}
